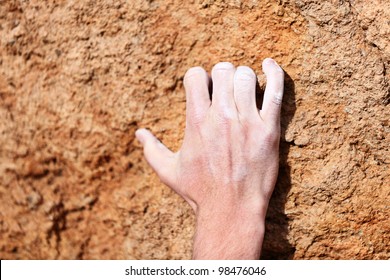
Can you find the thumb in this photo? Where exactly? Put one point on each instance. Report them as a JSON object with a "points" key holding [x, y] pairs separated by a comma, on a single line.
{"points": [[159, 157]]}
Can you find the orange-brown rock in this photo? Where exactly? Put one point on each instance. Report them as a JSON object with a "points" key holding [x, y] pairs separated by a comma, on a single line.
{"points": [[78, 77]]}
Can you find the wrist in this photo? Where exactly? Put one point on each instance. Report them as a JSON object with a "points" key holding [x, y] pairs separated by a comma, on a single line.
{"points": [[228, 234]]}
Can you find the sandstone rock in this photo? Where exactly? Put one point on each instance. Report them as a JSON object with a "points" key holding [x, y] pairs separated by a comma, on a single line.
{"points": [[77, 78]]}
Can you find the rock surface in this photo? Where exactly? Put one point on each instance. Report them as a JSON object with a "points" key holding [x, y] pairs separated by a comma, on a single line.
{"points": [[78, 77]]}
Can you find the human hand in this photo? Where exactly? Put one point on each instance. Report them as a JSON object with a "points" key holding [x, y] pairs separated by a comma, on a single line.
{"points": [[227, 166]]}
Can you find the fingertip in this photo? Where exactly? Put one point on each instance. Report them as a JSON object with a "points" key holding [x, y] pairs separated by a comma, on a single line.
{"points": [[268, 60], [196, 70], [223, 66], [244, 73], [194, 76], [142, 134], [269, 65]]}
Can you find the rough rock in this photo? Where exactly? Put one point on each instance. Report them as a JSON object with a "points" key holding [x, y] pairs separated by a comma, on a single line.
{"points": [[78, 77]]}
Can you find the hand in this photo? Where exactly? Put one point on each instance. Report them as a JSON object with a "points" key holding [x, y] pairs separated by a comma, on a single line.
{"points": [[227, 166]]}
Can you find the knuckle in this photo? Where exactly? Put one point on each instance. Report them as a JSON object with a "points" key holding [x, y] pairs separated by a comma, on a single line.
{"points": [[195, 117], [225, 115], [277, 100], [271, 136], [242, 89]]}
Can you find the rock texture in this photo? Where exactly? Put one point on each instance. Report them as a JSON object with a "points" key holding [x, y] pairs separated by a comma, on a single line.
{"points": [[78, 77]]}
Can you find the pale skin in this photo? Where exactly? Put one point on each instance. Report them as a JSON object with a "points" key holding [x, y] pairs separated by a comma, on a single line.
{"points": [[227, 166]]}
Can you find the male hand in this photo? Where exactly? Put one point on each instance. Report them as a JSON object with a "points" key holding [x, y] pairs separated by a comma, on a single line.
{"points": [[227, 166]]}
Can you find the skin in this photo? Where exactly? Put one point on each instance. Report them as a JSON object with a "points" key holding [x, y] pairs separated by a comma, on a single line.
{"points": [[228, 164]]}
